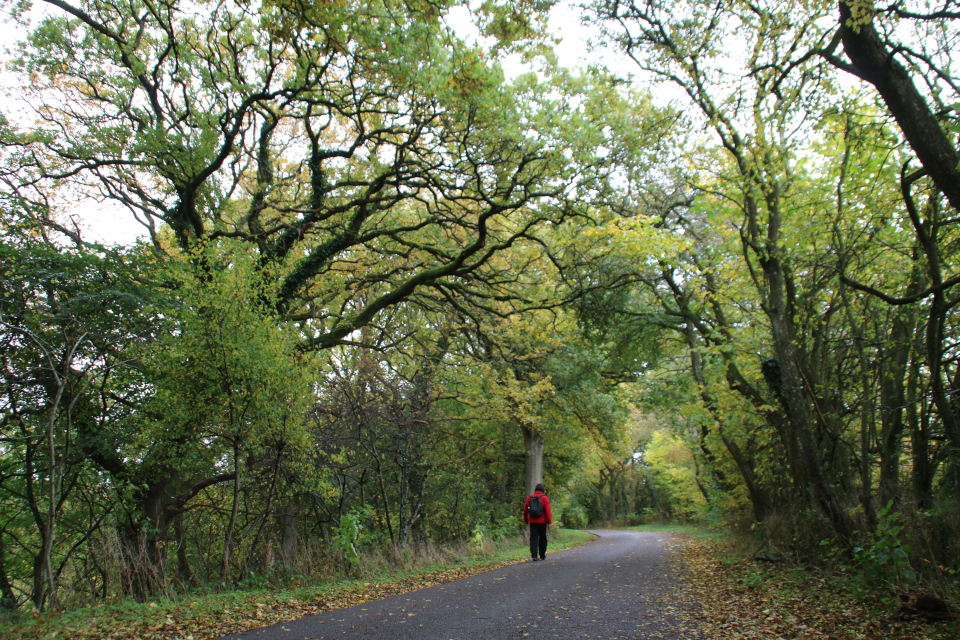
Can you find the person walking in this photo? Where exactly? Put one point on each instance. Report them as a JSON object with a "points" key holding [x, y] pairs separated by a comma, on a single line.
{"points": [[536, 513]]}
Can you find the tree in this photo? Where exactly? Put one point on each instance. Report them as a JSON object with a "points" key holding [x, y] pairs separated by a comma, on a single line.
{"points": [[363, 149], [893, 59], [230, 384], [69, 319], [839, 363]]}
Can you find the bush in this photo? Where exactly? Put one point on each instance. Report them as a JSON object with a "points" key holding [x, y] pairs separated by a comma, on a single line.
{"points": [[885, 559], [574, 517]]}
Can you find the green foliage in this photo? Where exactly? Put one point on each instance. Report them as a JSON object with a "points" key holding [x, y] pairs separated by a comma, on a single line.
{"points": [[349, 533], [884, 560], [672, 470], [70, 319], [226, 366]]}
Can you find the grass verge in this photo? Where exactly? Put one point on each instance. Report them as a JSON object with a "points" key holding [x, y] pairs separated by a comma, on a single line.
{"points": [[688, 529], [213, 615]]}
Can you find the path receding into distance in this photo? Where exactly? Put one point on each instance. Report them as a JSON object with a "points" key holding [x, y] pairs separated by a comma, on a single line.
{"points": [[620, 586]]}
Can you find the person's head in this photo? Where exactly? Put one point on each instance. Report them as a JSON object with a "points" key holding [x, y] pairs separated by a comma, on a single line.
{"points": [[540, 488]]}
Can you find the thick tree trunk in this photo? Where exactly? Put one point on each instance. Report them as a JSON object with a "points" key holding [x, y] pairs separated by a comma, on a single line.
{"points": [[141, 544], [184, 572], [796, 405], [142, 538], [39, 592], [876, 64], [893, 400], [779, 308], [758, 497], [533, 463], [143, 563], [289, 521]]}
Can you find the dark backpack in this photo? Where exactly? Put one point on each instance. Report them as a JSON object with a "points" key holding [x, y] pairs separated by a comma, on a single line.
{"points": [[536, 507]]}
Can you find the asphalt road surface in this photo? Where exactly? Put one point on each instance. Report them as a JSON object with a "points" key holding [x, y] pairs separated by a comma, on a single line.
{"points": [[620, 586]]}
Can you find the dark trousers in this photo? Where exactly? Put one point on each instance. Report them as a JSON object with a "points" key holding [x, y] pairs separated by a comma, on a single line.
{"points": [[538, 539]]}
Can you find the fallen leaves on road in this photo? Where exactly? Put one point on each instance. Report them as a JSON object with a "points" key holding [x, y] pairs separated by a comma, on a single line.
{"points": [[750, 599]]}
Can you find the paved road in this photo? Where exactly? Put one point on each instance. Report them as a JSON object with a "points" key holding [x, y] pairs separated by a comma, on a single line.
{"points": [[617, 587]]}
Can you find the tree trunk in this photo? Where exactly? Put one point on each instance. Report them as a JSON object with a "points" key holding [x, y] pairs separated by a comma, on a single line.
{"points": [[758, 497], [797, 408], [267, 513], [533, 462], [141, 544], [231, 526], [893, 399], [876, 64], [919, 436], [8, 600], [50, 530], [39, 592], [289, 534], [935, 352], [142, 538], [184, 572], [143, 563], [404, 464], [779, 309], [867, 414]]}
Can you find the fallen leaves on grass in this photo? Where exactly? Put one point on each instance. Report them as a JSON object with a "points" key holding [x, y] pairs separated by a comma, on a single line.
{"points": [[750, 599]]}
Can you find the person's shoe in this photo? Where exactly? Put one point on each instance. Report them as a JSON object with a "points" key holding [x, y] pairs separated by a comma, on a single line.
{"points": [[543, 557], [535, 558]]}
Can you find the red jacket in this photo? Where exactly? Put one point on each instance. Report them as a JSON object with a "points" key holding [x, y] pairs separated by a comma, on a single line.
{"points": [[547, 516]]}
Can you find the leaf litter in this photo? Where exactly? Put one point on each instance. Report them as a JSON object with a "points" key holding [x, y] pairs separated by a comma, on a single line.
{"points": [[747, 598]]}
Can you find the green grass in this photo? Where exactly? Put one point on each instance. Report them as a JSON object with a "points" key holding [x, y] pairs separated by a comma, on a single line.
{"points": [[559, 539], [690, 529]]}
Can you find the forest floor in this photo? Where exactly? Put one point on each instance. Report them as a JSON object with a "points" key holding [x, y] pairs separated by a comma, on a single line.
{"points": [[743, 597]]}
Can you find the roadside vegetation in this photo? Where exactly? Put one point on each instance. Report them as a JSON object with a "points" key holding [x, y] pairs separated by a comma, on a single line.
{"points": [[272, 599]]}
